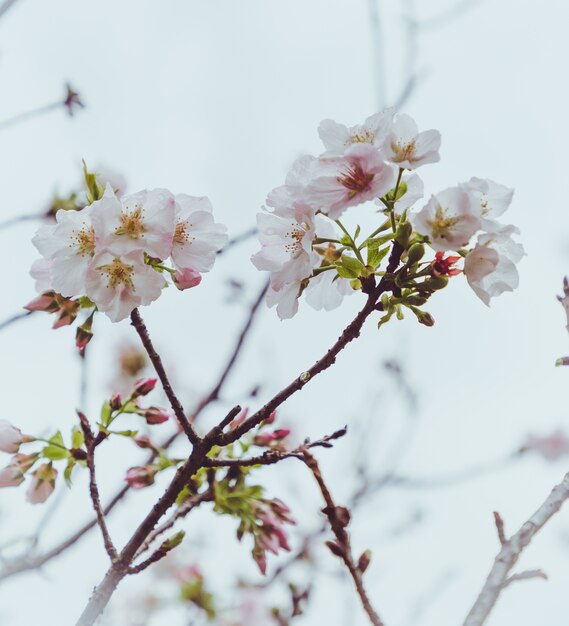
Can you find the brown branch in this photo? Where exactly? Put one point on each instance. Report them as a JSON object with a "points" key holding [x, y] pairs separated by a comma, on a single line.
{"points": [[500, 527], [91, 444], [19, 219], [339, 517], [499, 577], [142, 331], [15, 318]]}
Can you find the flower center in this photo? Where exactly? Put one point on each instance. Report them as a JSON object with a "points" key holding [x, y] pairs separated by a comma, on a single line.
{"points": [[182, 235], [132, 223], [442, 225], [118, 273], [404, 151], [293, 239], [84, 239], [355, 180], [363, 135]]}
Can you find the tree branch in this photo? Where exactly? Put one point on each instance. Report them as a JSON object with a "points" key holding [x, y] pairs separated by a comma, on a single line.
{"points": [[509, 554]]}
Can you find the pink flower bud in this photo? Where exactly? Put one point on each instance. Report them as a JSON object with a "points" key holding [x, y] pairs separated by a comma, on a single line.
{"points": [[281, 433], [115, 402], [10, 437], [143, 387], [11, 476], [44, 302], [154, 415], [272, 417], [240, 418], [42, 484], [187, 278], [140, 476], [143, 441]]}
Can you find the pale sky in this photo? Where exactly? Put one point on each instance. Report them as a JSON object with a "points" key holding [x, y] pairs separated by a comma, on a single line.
{"points": [[217, 98]]}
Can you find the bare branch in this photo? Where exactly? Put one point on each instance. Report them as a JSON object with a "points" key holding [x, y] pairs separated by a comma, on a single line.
{"points": [[500, 527], [531, 573], [339, 518], [142, 331], [511, 551], [14, 318], [6, 6], [238, 239]]}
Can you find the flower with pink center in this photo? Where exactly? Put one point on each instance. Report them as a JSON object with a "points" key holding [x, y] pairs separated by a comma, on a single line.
{"points": [[449, 219], [337, 138], [286, 237], [494, 200], [551, 447], [70, 246], [357, 176], [408, 148], [197, 237], [42, 484], [10, 437], [490, 267], [119, 284], [186, 278], [140, 222], [141, 476]]}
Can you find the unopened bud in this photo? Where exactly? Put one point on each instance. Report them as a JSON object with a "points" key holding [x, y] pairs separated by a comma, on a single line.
{"points": [[403, 233], [364, 561], [437, 282], [342, 515], [334, 548], [115, 402], [143, 387], [415, 253]]}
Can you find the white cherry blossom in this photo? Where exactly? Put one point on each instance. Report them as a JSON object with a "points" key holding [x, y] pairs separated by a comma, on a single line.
{"points": [[337, 138], [118, 284], [407, 147], [327, 290], [494, 200], [490, 267], [286, 237], [340, 182], [143, 221], [10, 437], [449, 219], [297, 178], [285, 299], [197, 237]]}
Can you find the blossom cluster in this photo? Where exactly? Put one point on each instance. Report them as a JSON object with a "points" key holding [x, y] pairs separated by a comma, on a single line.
{"points": [[112, 254], [306, 248]]}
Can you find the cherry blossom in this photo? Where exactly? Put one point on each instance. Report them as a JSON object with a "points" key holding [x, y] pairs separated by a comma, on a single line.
{"points": [[490, 267], [407, 147], [186, 278], [10, 437], [117, 284], [286, 237], [494, 200], [41, 272], [414, 190], [327, 290], [42, 484], [143, 221], [70, 246], [197, 237], [449, 219], [359, 175], [11, 476], [297, 178], [338, 137]]}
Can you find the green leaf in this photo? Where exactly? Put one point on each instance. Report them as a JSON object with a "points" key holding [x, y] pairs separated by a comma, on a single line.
{"points": [[68, 470], [57, 450], [357, 232], [375, 255], [348, 267], [124, 433], [377, 242], [106, 413], [77, 438]]}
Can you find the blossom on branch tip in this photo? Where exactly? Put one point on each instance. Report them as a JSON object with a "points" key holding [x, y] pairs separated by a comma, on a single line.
{"points": [[444, 266], [357, 176], [449, 219], [10, 437], [494, 200], [337, 138], [407, 147], [490, 267]]}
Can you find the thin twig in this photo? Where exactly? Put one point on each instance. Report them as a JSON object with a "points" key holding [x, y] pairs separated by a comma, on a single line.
{"points": [[338, 518], [15, 318], [142, 331], [238, 239], [18, 219], [510, 553], [6, 5]]}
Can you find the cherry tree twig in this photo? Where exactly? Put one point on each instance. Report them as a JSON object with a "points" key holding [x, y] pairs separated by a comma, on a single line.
{"points": [[14, 318], [339, 517], [499, 576], [29, 562]]}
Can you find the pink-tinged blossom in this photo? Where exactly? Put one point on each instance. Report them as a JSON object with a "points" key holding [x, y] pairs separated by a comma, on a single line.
{"points": [[551, 447], [490, 267], [41, 272], [141, 476], [269, 533], [444, 266], [118, 284], [286, 237], [337, 138], [42, 484], [359, 175], [70, 246], [140, 222], [268, 438], [285, 299], [197, 237], [297, 178], [11, 476], [154, 415], [493, 198], [408, 148], [326, 291], [10, 437], [449, 219], [187, 278]]}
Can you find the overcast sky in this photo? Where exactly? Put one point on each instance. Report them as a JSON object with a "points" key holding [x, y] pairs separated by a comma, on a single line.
{"points": [[217, 98]]}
